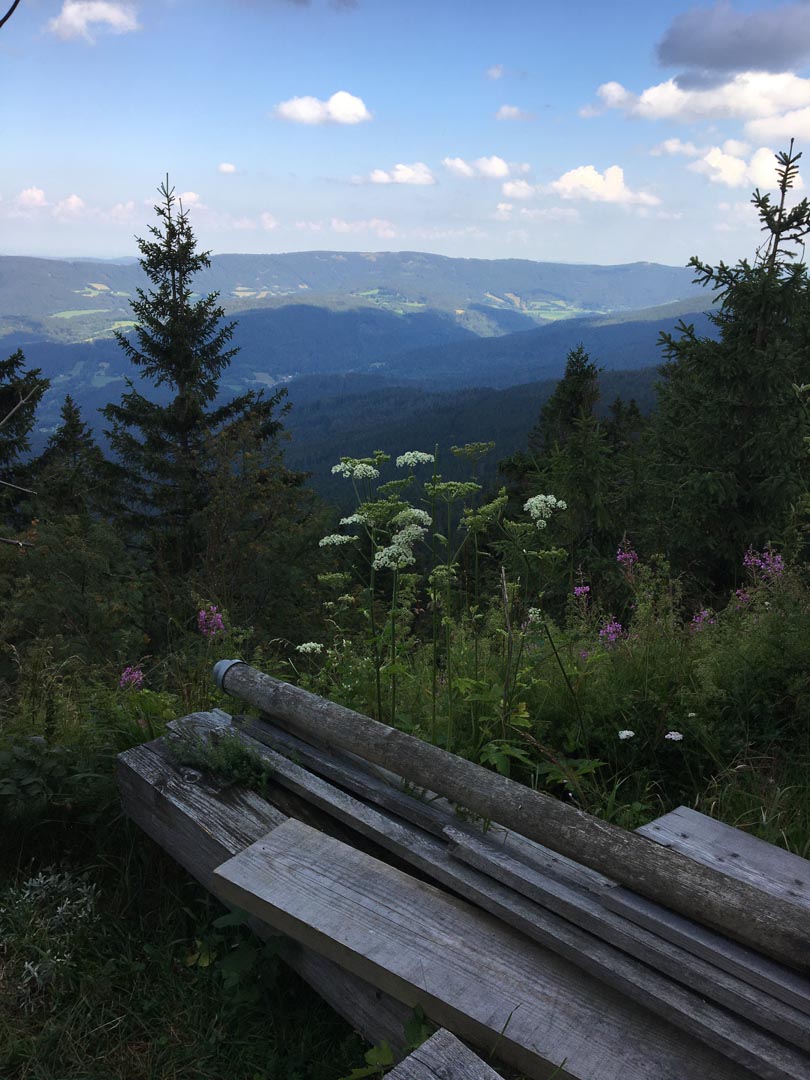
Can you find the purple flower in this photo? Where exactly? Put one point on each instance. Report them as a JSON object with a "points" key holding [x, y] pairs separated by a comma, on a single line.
{"points": [[768, 564], [581, 591], [209, 621], [612, 631], [584, 654], [131, 677], [743, 598], [701, 619], [626, 557]]}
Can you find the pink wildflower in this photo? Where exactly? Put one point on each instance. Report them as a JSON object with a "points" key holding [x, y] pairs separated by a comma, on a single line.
{"points": [[612, 631], [131, 677], [209, 621]]}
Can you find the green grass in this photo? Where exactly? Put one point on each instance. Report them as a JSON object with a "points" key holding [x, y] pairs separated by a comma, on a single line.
{"points": [[111, 968], [76, 313]]}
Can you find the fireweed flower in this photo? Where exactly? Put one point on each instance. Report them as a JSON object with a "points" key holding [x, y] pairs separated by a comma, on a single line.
{"points": [[702, 619], [612, 631], [626, 557], [626, 734], [209, 621], [674, 736], [309, 647], [581, 591], [768, 564], [131, 678], [541, 507], [414, 457]]}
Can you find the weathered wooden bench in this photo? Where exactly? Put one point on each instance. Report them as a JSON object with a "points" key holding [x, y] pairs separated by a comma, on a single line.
{"points": [[525, 937]]}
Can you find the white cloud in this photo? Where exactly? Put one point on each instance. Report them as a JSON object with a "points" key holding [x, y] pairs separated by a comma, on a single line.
{"points": [[341, 108], [68, 209], [675, 146], [494, 167], [503, 211], [491, 168], [458, 166], [723, 166], [121, 213], [549, 213], [77, 17], [418, 173], [379, 226], [512, 112], [588, 183], [226, 167], [519, 189], [308, 226], [191, 198], [495, 72], [243, 223], [794, 124], [268, 222], [31, 199], [751, 95]]}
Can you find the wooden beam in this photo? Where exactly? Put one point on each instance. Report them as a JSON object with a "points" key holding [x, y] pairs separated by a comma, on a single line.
{"points": [[442, 1057], [199, 826], [777, 927], [647, 983], [470, 973]]}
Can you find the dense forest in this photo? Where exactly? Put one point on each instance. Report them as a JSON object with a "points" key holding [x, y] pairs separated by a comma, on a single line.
{"points": [[618, 614]]}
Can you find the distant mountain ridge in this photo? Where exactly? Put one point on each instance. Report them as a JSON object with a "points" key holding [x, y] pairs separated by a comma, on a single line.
{"points": [[374, 347], [77, 300]]}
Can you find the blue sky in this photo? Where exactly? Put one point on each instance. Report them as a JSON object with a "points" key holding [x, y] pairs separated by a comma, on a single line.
{"points": [[583, 132]]}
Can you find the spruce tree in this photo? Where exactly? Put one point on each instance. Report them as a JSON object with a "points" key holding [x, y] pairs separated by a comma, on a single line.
{"points": [[574, 398], [729, 433], [181, 344], [20, 393]]}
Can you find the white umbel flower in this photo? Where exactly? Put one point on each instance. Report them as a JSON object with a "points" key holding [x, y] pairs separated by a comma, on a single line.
{"points": [[673, 736], [309, 647], [627, 734], [540, 508], [414, 457]]}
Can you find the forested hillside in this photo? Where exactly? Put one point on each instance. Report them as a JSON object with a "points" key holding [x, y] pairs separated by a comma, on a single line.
{"points": [[597, 584]]}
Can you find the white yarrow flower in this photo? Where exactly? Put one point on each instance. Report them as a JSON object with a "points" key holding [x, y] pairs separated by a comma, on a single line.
{"points": [[309, 647], [673, 736], [412, 515], [353, 519], [540, 508], [356, 470], [627, 734], [394, 557], [414, 457], [335, 540], [534, 615]]}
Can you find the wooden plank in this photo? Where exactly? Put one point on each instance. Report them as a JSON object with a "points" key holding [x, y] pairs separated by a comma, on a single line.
{"points": [[200, 827], [773, 870], [467, 971], [778, 927], [442, 1057], [431, 812], [761, 1053], [682, 1007], [775, 979]]}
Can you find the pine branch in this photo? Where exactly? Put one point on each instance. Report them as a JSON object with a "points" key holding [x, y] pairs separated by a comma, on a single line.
{"points": [[8, 14]]}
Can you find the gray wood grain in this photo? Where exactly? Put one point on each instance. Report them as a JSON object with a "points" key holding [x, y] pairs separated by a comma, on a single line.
{"points": [[736, 1035], [200, 826], [442, 1057], [777, 872], [469, 972], [569, 904], [745, 964], [775, 926]]}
